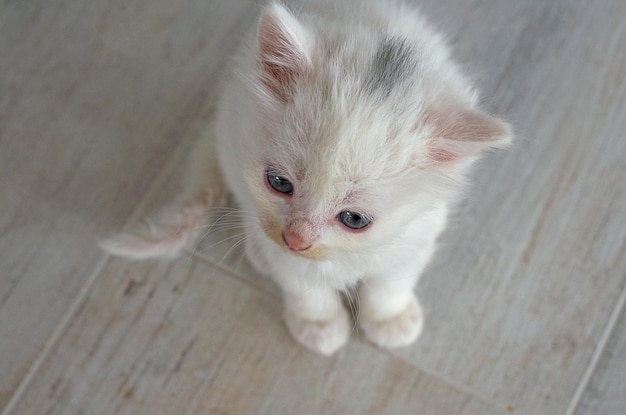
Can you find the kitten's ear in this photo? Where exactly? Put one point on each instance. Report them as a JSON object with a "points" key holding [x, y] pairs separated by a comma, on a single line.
{"points": [[284, 53], [461, 134]]}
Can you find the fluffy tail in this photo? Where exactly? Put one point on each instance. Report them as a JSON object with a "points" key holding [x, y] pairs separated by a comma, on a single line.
{"points": [[166, 237], [178, 227]]}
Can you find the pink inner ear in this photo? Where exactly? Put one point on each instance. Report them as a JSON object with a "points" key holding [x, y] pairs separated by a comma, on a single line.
{"points": [[474, 125], [277, 60], [440, 155], [283, 54], [462, 133]]}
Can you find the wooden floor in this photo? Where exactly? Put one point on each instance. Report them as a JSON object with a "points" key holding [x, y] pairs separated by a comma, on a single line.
{"points": [[99, 101]]}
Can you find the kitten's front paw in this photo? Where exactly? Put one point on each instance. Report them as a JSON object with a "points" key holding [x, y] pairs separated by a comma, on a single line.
{"points": [[324, 337], [397, 331]]}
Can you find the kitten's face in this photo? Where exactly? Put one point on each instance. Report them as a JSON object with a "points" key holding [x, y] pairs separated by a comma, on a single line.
{"points": [[355, 139], [330, 184]]}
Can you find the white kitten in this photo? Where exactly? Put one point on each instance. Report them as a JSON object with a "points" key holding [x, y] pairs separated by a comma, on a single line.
{"points": [[349, 131]]}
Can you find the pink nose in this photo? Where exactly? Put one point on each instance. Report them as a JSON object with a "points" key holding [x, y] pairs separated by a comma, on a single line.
{"points": [[295, 241]]}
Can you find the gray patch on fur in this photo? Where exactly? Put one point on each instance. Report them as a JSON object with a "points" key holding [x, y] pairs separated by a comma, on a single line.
{"points": [[394, 63]]}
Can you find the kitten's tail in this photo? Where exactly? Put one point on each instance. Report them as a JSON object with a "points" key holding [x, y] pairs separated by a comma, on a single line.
{"points": [[167, 236], [178, 227]]}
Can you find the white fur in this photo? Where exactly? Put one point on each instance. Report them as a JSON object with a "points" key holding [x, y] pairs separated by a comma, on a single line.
{"points": [[401, 156]]}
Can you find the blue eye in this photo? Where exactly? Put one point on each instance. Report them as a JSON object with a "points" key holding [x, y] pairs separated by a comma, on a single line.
{"points": [[355, 220], [278, 182]]}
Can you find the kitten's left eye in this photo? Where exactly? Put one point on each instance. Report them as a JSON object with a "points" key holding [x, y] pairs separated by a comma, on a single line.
{"points": [[278, 182], [355, 220]]}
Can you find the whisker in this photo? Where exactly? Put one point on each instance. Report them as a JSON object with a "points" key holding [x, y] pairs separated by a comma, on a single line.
{"points": [[238, 235], [354, 307], [241, 258], [234, 246], [216, 225]]}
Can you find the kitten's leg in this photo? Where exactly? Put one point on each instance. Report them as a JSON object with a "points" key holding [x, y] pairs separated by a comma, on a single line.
{"points": [[390, 314], [313, 312], [317, 319]]}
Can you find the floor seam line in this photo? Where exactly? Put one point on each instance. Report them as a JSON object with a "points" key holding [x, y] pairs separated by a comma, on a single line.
{"points": [[54, 338], [597, 354], [232, 272], [458, 386]]}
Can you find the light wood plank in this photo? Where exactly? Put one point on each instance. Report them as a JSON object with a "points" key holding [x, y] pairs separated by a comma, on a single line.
{"points": [[94, 98], [187, 338]]}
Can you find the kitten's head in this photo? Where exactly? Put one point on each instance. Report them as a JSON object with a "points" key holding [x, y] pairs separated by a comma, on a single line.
{"points": [[359, 133]]}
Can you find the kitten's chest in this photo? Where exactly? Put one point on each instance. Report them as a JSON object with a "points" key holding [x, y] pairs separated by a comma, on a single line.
{"points": [[349, 269]]}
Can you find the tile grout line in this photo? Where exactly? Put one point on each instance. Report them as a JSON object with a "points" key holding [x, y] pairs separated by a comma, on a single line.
{"points": [[52, 341], [461, 387], [597, 353], [240, 277], [60, 328], [231, 271]]}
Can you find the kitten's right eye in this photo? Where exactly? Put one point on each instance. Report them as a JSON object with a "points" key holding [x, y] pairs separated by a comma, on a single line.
{"points": [[278, 182]]}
